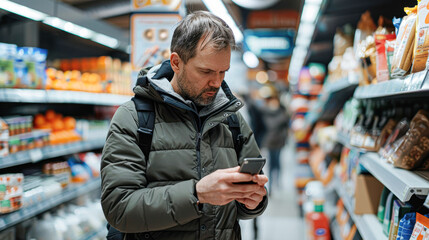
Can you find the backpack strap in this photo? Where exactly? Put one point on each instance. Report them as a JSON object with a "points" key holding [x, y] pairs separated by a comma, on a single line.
{"points": [[146, 118], [237, 137]]}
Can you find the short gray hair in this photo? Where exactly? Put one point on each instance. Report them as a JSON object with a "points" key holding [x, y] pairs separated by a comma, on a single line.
{"points": [[197, 25]]}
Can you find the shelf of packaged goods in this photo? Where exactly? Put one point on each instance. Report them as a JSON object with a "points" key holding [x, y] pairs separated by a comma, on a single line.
{"points": [[414, 85], [66, 195], [93, 234], [54, 96], [401, 182], [335, 230], [38, 154], [344, 139], [331, 100], [367, 224]]}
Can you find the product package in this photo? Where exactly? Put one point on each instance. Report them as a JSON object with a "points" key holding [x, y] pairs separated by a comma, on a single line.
{"points": [[421, 228], [395, 138], [365, 27], [4, 138], [406, 226], [421, 45], [404, 49], [11, 192], [398, 212], [415, 147], [382, 204], [385, 32], [7, 59], [32, 72]]}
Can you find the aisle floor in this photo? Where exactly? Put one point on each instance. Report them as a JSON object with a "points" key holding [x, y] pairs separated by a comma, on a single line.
{"points": [[281, 220]]}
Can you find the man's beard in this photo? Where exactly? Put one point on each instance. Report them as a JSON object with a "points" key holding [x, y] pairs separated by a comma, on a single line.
{"points": [[186, 92]]}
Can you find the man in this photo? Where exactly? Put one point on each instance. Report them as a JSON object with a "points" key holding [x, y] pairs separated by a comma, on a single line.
{"points": [[185, 189]]}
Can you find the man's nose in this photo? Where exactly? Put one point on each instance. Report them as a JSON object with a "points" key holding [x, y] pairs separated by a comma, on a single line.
{"points": [[216, 80]]}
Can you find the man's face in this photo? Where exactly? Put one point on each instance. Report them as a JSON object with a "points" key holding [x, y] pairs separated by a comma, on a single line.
{"points": [[202, 76]]}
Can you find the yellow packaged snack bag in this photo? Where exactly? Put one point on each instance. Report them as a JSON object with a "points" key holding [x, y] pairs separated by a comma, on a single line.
{"points": [[421, 45], [404, 49]]}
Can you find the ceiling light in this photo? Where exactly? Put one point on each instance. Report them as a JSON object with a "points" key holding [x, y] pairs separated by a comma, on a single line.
{"points": [[218, 8], [22, 10], [303, 41], [315, 2], [105, 40], [255, 4], [250, 59], [309, 13], [69, 27], [306, 29]]}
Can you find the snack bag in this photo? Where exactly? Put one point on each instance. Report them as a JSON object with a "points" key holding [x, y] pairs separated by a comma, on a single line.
{"points": [[421, 45], [365, 27], [405, 44], [420, 231]]}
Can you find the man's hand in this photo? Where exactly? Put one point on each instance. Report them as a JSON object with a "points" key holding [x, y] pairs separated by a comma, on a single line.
{"points": [[218, 188], [253, 201]]}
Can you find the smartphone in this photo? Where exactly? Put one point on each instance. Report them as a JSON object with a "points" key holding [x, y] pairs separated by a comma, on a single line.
{"points": [[252, 165]]}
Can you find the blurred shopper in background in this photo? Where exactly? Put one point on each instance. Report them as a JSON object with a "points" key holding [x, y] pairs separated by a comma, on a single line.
{"points": [[276, 122]]}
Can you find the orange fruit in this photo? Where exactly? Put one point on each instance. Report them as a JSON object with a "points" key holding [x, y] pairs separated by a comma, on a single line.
{"points": [[39, 120], [69, 123], [57, 125], [50, 115]]}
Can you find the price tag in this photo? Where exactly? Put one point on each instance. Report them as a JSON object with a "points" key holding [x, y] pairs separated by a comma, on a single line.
{"points": [[407, 83], [418, 79], [36, 155]]}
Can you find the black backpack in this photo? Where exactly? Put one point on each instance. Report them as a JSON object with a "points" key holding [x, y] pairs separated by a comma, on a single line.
{"points": [[146, 118]]}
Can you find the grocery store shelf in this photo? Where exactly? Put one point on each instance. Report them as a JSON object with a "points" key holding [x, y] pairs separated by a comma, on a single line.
{"points": [[367, 224], [335, 230], [55, 96], [38, 154], [414, 85], [343, 139], [67, 194], [401, 182], [331, 101], [93, 234]]}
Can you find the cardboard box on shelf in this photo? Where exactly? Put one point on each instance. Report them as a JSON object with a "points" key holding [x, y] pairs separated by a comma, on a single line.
{"points": [[367, 194]]}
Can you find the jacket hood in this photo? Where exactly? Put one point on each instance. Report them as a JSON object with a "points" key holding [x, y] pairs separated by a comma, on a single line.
{"points": [[159, 88]]}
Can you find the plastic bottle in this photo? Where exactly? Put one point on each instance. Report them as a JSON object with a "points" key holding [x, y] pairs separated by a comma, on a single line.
{"points": [[318, 223]]}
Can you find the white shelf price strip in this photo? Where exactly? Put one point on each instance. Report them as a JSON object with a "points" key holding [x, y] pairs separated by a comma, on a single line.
{"points": [[68, 194], [56, 96], [401, 182], [39, 154], [367, 224]]}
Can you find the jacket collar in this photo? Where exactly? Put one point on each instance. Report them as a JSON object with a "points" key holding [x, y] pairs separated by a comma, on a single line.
{"points": [[160, 76]]}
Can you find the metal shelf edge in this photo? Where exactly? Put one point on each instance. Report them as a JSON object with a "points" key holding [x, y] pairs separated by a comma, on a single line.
{"points": [[59, 96], [367, 227], [49, 152], [16, 217], [401, 182]]}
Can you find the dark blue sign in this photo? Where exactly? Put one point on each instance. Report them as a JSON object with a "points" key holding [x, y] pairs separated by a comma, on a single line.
{"points": [[269, 43]]}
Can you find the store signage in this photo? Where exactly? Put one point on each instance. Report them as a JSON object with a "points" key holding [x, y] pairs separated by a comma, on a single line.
{"points": [[273, 19], [150, 38], [157, 5], [269, 43]]}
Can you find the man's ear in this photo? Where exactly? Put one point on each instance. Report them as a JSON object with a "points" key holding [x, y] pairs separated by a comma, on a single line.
{"points": [[175, 62]]}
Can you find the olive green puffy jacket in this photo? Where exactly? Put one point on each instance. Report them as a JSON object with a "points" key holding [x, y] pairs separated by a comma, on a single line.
{"points": [[155, 198]]}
